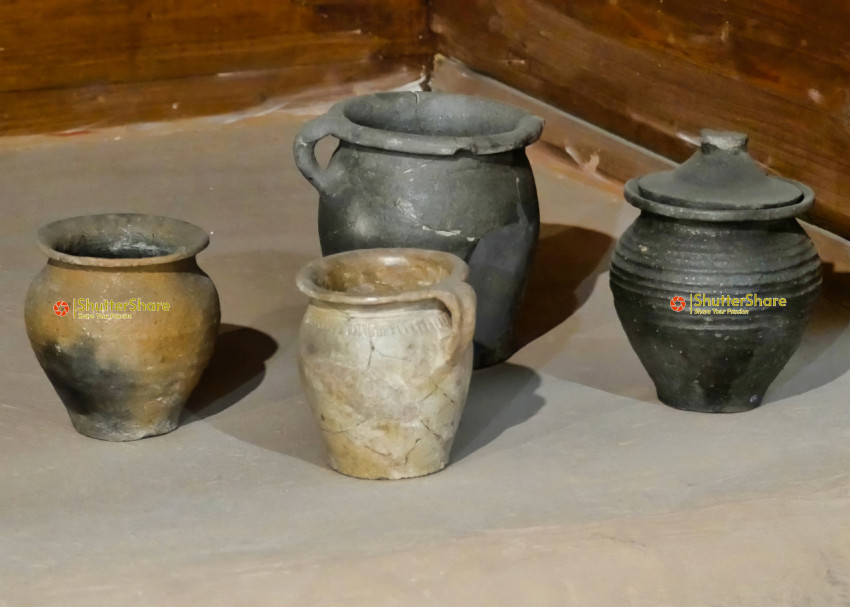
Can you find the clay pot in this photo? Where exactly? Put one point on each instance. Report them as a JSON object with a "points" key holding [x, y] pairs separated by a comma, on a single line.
{"points": [[434, 171], [386, 356], [716, 227], [122, 320]]}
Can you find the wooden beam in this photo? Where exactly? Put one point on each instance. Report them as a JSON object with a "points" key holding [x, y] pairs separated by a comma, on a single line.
{"points": [[655, 73], [67, 64], [98, 106], [72, 43]]}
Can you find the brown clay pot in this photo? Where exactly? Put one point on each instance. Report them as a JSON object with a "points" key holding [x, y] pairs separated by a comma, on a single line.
{"points": [[122, 320]]}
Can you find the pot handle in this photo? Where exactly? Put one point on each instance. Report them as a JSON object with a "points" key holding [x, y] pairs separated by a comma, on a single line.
{"points": [[459, 299], [305, 146]]}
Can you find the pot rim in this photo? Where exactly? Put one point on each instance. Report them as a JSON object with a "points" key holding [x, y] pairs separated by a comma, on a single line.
{"points": [[185, 240], [526, 130], [305, 279]]}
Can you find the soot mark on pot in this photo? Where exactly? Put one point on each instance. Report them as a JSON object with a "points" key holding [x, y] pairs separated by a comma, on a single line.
{"points": [[84, 384], [120, 249]]}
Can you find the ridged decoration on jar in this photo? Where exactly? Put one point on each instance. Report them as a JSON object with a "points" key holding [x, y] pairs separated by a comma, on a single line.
{"points": [[728, 240]]}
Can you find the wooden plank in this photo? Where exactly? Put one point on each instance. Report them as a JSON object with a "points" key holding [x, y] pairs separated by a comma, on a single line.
{"points": [[84, 108], [649, 72], [69, 43], [790, 48], [71, 64]]}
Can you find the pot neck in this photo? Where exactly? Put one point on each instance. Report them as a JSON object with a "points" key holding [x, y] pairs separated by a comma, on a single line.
{"points": [[186, 264]]}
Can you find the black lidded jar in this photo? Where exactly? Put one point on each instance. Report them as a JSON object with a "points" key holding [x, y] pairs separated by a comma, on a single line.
{"points": [[716, 226]]}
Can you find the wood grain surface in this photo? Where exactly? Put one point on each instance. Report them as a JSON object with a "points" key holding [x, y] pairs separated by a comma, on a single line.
{"points": [[62, 61], [72, 110]]}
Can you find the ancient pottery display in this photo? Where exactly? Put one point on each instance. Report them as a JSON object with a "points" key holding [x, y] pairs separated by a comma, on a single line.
{"points": [[385, 357], [433, 171], [122, 320], [714, 283]]}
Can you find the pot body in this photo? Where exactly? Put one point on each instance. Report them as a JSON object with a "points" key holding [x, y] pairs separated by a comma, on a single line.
{"points": [[128, 376], [483, 209], [415, 185], [379, 388], [716, 362]]}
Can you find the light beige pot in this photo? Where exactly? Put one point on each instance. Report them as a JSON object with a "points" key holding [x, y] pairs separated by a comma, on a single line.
{"points": [[386, 357]]}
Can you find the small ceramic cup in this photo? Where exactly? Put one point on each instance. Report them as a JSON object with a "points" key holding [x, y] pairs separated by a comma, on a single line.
{"points": [[385, 357]]}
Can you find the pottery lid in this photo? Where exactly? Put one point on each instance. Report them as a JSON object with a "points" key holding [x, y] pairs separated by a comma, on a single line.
{"points": [[720, 182]]}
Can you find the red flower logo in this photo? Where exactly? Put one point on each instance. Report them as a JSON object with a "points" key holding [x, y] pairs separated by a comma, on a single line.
{"points": [[677, 304], [60, 308]]}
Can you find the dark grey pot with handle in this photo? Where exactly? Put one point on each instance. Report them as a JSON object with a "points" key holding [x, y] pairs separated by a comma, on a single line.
{"points": [[433, 171]]}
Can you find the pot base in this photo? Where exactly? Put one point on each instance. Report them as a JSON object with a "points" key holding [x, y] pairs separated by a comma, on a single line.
{"points": [[405, 452], [110, 429], [732, 404], [389, 473]]}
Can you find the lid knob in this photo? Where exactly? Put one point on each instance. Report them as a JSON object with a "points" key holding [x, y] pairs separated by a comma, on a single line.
{"points": [[720, 182], [727, 141]]}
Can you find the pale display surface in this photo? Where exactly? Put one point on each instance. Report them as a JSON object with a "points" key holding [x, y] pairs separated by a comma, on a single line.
{"points": [[569, 483]]}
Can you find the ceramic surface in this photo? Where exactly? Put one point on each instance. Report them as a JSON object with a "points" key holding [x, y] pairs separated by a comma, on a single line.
{"points": [[385, 357], [434, 171], [122, 320], [715, 282]]}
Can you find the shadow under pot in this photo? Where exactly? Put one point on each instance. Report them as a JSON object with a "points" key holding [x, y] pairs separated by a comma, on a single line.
{"points": [[385, 355], [122, 320], [434, 171], [715, 282]]}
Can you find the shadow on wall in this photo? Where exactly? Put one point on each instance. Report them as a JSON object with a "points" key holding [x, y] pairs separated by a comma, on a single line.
{"points": [[236, 369], [567, 261], [499, 398], [822, 355]]}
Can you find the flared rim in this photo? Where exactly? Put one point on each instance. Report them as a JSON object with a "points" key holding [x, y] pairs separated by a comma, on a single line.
{"points": [[309, 277], [121, 240], [510, 127]]}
